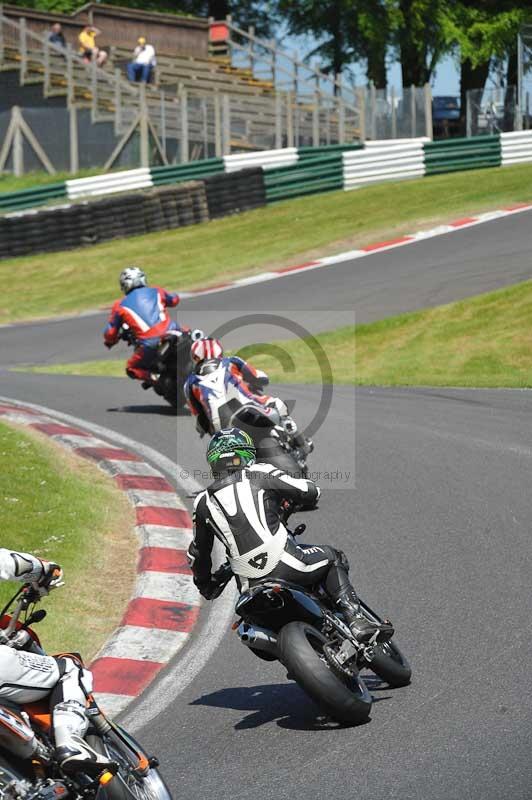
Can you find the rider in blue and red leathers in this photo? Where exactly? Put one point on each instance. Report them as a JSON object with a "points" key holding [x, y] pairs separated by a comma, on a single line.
{"points": [[144, 309]]}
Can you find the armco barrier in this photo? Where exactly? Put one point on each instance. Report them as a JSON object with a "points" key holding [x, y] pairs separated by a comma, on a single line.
{"points": [[380, 162], [232, 192], [29, 198], [111, 183], [191, 171], [98, 221], [267, 159], [453, 155], [516, 147], [306, 153], [320, 174]]}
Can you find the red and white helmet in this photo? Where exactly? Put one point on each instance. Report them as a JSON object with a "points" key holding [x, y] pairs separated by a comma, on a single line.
{"points": [[206, 348]]}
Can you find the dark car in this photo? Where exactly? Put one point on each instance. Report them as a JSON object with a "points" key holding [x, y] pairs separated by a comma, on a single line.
{"points": [[445, 115]]}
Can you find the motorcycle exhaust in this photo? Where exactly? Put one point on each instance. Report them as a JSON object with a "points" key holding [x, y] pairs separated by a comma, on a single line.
{"points": [[258, 638]]}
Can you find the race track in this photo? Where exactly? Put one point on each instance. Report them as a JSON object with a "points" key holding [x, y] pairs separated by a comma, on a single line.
{"points": [[435, 520], [427, 273]]}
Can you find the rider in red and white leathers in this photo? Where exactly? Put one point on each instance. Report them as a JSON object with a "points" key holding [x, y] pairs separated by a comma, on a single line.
{"points": [[28, 675], [218, 381]]}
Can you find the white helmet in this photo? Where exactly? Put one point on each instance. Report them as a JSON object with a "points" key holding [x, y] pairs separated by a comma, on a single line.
{"points": [[132, 278], [206, 348]]}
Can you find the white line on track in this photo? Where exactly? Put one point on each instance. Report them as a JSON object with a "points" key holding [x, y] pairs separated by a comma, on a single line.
{"points": [[182, 671]]}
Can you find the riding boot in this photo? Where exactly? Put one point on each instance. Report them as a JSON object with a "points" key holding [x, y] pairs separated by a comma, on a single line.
{"points": [[72, 751], [361, 628]]}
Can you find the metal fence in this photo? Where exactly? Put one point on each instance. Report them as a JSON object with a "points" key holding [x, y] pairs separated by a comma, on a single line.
{"points": [[491, 111], [391, 114]]}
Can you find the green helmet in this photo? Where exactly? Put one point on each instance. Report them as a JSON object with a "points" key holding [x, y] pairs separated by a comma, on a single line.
{"points": [[231, 448]]}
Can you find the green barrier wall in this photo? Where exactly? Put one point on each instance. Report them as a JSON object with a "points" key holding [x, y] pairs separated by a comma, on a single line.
{"points": [[193, 170], [28, 198], [320, 174], [454, 155]]}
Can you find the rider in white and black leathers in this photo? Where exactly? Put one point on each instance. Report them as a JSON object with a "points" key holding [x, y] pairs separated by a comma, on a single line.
{"points": [[243, 509], [28, 675]]}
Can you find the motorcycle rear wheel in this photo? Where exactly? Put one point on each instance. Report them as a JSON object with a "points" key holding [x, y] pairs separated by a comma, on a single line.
{"points": [[301, 652], [126, 785]]}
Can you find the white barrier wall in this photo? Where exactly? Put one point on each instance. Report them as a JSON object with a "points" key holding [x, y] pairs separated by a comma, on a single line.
{"points": [[395, 159], [111, 183], [267, 159], [516, 147]]}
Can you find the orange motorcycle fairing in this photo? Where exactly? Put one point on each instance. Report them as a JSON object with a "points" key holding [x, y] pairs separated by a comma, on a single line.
{"points": [[39, 714]]}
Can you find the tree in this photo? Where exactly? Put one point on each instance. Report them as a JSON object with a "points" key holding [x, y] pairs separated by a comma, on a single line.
{"points": [[483, 32], [330, 22], [418, 38]]}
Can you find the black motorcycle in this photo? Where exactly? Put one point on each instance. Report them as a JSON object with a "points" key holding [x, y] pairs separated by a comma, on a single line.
{"points": [[301, 628], [173, 365], [274, 445]]}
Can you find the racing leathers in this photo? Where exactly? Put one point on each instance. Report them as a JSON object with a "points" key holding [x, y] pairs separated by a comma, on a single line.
{"points": [[144, 310], [28, 675], [217, 385], [243, 509]]}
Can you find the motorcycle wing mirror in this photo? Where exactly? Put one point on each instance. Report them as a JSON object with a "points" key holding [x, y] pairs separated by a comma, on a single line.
{"points": [[37, 616], [300, 529]]}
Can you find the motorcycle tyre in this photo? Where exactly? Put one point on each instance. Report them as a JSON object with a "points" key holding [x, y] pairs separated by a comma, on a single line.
{"points": [[388, 661], [314, 676], [150, 787], [389, 664]]}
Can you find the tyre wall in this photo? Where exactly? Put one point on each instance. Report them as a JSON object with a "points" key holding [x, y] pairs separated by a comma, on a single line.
{"points": [[87, 223]]}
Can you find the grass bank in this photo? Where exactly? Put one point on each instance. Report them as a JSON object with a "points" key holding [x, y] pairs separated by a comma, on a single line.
{"points": [[484, 341], [248, 243], [62, 508]]}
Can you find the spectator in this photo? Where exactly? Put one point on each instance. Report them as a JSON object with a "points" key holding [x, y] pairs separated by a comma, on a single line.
{"points": [[141, 68], [56, 35], [88, 48]]}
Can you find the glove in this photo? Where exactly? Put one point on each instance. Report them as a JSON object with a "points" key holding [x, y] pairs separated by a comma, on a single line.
{"points": [[207, 589], [19, 640], [51, 578]]}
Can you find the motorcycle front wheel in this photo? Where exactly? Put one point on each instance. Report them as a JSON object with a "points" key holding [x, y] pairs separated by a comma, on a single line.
{"points": [[388, 662], [301, 652], [127, 784]]}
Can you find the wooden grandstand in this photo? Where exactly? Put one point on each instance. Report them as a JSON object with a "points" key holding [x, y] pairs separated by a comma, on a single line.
{"points": [[209, 106]]}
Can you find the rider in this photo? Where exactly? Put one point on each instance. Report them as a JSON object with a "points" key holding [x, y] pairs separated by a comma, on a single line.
{"points": [[243, 508], [241, 381], [28, 675], [144, 310]]}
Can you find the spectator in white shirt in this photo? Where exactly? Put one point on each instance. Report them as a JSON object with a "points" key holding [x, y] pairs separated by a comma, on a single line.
{"points": [[141, 68]]}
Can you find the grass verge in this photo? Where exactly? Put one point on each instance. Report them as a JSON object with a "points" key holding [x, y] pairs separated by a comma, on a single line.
{"points": [[62, 508], [248, 243], [484, 341]]}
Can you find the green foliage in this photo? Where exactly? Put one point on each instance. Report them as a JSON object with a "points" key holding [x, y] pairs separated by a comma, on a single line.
{"points": [[482, 30], [66, 512]]}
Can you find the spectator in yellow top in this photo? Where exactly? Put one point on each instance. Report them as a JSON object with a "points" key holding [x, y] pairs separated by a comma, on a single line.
{"points": [[88, 48]]}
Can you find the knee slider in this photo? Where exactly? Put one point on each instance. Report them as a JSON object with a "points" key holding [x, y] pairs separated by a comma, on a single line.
{"points": [[130, 373]]}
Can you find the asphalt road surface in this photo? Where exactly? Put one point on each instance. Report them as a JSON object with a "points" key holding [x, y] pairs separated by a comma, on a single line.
{"points": [[428, 492], [427, 273]]}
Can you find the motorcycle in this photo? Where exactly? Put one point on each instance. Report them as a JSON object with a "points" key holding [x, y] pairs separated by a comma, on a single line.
{"points": [[274, 444], [34, 773], [173, 363], [301, 628]]}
